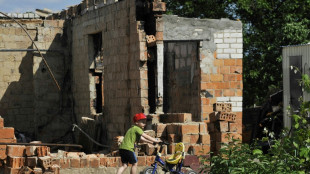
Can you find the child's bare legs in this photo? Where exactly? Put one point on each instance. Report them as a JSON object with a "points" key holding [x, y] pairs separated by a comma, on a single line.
{"points": [[122, 169], [134, 168]]}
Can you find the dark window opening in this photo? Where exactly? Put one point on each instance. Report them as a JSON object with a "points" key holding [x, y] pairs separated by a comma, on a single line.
{"points": [[295, 76]]}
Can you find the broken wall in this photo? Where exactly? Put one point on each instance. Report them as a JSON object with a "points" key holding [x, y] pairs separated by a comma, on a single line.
{"points": [[124, 71], [29, 99], [220, 53]]}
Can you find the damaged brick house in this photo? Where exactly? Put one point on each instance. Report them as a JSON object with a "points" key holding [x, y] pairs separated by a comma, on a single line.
{"points": [[113, 59]]}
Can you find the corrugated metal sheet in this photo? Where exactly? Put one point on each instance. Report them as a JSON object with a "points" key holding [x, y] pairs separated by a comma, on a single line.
{"points": [[288, 52]]}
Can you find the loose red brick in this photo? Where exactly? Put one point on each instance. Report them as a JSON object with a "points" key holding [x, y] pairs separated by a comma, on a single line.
{"points": [[189, 128], [141, 160], [150, 40], [15, 162], [84, 162], [32, 161], [56, 169], [184, 117], [31, 150], [150, 160], [150, 149], [15, 150], [56, 161], [64, 163], [222, 107], [94, 161], [1, 123], [10, 170], [45, 162], [43, 151], [112, 162], [37, 171], [3, 152], [75, 162], [7, 133]]}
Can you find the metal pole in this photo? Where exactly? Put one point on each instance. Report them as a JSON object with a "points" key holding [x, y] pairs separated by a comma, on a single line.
{"points": [[44, 144]]}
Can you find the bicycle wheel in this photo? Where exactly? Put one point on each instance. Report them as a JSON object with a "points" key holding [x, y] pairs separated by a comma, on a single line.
{"points": [[191, 172], [149, 170]]}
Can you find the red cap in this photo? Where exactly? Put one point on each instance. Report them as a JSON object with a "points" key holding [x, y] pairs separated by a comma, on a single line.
{"points": [[138, 117]]}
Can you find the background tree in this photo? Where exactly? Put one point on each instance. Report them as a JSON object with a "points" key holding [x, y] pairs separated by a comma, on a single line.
{"points": [[267, 25]]}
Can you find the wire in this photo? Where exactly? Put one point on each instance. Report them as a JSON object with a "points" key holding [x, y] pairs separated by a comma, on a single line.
{"points": [[45, 62]]}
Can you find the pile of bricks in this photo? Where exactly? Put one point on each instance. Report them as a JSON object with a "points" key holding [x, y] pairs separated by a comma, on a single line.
{"points": [[223, 126], [6, 136], [178, 127]]}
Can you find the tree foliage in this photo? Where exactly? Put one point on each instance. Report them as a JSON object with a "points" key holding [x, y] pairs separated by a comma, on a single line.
{"points": [[267, 26]]}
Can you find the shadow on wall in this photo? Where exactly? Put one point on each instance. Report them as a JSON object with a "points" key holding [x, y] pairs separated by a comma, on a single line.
{"points": [[31, 103]]}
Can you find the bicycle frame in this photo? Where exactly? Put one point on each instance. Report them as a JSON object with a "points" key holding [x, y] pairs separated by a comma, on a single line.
{"points": [[169, 167]]}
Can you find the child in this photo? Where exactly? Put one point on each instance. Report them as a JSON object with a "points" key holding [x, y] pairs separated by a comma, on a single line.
{"points": [[134, 134]]}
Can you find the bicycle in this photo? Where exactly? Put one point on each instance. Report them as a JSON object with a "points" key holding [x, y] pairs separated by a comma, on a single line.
{"points": [[173, 164]]}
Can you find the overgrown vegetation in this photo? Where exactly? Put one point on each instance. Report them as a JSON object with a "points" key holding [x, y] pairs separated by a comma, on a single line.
{"points": [[286, 155], [267, 25]]}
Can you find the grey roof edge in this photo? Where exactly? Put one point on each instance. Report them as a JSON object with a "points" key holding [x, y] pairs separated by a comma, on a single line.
{"points": [[305, 44]]}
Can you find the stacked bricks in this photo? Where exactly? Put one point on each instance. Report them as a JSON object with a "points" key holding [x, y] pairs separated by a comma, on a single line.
{"points": [[223, 126], [178, 127], [6, 136]]}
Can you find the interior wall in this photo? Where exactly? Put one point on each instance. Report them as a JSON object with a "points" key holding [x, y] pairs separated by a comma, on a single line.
{"points": [[182, 78]]}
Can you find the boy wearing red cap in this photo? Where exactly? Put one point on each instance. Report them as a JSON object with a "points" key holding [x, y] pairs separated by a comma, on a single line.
{"points": [[133, 135]]}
